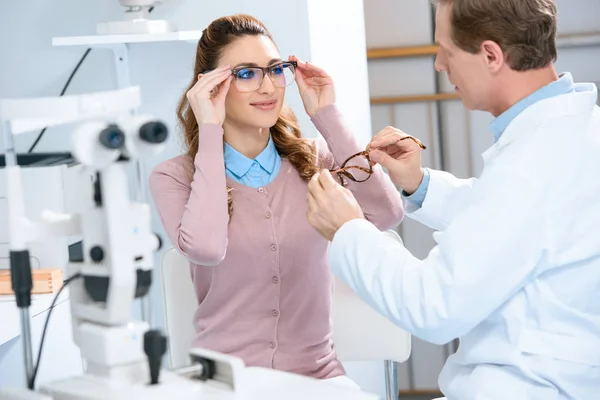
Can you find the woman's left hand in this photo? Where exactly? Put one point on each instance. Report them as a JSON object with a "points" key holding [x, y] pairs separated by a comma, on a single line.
{"points": [[315, 85]]}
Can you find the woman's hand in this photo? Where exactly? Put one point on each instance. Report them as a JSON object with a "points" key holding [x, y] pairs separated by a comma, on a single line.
{"points": [[315, 85], [207, 96]]}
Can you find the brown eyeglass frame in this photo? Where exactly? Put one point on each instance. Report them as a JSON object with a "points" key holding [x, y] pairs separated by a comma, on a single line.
{"points": [[343, 170]]}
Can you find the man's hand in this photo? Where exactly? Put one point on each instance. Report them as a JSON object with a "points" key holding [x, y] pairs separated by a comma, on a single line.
{"points": [[330, 205], [401, 157]]}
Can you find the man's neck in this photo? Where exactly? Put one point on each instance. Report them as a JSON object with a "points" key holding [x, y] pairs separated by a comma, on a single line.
{"points": [[248, 141], [518, 85]]}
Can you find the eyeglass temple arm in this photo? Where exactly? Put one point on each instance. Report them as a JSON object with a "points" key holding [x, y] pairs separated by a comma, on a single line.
{"points": [[414, 139], [365, 153]]}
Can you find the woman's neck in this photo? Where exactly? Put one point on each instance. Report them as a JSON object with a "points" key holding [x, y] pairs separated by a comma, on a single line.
{"points": [[248, 141]]}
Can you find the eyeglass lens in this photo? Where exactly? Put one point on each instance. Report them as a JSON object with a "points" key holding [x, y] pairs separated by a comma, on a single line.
{"points": [[250, 78]]}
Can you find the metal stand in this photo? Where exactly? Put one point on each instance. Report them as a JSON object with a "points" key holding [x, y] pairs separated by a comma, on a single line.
{"points": [[121, 59], [391, 380], [17, 211], [121, 55]]}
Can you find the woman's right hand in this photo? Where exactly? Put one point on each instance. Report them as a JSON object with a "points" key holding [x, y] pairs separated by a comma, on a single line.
{"points": [[207, 96]]}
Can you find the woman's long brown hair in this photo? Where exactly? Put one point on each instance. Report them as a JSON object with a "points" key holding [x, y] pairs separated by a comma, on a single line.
{"points": [[285, 133]]}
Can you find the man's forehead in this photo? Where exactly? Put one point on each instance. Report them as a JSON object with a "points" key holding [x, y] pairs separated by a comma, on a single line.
{"points": [[442, 24]]}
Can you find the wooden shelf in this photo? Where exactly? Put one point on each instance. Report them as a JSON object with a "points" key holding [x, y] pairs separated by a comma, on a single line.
{"points": [[564, 40], [396, 52], [414, 98]]}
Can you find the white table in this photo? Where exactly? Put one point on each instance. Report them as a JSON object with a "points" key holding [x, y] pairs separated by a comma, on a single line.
{"points": [[61, 356], [10, 315]]}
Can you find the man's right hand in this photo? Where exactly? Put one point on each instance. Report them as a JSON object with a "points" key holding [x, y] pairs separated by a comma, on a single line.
{"points": [[207, 96], [402, 158]]}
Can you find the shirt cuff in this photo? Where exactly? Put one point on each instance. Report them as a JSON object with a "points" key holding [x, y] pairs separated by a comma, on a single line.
{"points": [[418, 197]]}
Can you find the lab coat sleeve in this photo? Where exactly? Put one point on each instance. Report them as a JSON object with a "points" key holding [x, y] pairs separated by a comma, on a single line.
{"points": [[446, 196], [487, 254]]}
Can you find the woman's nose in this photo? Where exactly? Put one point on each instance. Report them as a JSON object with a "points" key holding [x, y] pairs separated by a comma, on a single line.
{"points": [[267, 85]]}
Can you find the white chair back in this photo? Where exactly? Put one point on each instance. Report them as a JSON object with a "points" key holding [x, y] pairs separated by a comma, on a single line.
{"points": [[362, 334], [359, 332], [180, 305]]}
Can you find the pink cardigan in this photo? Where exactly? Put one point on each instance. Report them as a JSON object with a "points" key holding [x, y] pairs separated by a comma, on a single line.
{"points": [[262, 278]]}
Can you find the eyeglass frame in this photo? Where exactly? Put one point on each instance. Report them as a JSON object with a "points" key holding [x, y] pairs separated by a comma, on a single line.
{"points": [[343, 170], [266, 71]]}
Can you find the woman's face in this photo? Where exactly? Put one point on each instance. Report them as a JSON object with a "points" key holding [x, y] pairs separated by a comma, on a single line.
{"points": [[250, 103]]}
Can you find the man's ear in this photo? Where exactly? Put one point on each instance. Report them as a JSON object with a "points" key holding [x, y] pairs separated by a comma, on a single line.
{"points": [[494, 56]]}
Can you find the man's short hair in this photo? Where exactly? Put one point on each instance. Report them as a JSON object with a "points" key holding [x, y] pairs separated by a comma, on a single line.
{"points": [[524, 29]]}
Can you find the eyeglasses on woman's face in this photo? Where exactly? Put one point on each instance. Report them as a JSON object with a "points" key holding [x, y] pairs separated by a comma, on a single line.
{"points": [[249, 79], [358, 167]]}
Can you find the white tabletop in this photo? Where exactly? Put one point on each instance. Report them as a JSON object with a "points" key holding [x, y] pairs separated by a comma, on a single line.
{"points": [[10, 315]]}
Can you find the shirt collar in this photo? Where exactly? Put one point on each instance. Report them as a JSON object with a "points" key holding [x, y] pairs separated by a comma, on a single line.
{"points": [[267, 157], [564, 84], [239, 164]]}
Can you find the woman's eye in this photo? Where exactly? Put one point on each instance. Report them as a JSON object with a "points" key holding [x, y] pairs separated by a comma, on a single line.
{"points": [[277, 70], [246, 74]]}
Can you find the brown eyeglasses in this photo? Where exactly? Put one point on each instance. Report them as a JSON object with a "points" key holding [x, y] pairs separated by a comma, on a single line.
{"points": [[358, 167]]}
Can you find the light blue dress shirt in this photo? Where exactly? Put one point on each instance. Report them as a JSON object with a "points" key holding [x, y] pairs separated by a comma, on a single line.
{"points": [[254, 173], [563, 85]]}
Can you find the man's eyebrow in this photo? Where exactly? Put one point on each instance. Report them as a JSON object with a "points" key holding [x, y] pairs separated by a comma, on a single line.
{"points": [[250, 64]]}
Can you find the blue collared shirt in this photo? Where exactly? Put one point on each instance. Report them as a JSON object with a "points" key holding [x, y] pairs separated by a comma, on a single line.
{"points": [[254, 173], [563, 85]]}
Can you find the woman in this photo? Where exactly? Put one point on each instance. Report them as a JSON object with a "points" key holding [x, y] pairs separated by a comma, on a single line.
{"points": [[236, 203]]}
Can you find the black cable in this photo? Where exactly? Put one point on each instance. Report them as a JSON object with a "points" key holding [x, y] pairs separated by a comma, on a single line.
{"points": [[67, 85], [62, 93], [39, 356]]}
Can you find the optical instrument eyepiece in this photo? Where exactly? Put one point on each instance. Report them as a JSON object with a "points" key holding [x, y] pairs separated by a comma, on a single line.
{"points": [[154, 132], [112, 137]]}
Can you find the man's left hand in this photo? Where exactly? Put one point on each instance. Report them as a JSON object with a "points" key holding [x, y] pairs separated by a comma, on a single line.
{"points": [[330, 205]]}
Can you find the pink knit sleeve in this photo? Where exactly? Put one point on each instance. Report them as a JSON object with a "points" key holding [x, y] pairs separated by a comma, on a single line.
{"points": [[191, 199], [380, 200]]}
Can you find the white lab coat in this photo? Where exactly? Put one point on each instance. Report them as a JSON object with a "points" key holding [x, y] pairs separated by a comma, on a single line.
{"points": [[515, 273]]}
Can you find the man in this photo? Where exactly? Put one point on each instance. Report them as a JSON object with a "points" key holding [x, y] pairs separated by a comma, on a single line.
{"points": [[515, 273]]}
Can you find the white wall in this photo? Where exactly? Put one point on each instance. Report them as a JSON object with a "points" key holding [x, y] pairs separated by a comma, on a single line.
{"points": [[339, 46], [392, 23], [33, 67]]}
